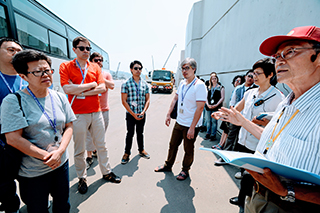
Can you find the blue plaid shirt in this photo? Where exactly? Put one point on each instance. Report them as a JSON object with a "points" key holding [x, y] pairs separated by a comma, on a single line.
{"points": [[136, 94]]}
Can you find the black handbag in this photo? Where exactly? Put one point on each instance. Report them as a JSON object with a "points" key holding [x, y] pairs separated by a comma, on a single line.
{"points": [[10, 157], [174, 112]]}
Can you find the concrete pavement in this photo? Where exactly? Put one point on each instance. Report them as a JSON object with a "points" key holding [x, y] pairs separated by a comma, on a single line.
{"points": [[142, 190]]}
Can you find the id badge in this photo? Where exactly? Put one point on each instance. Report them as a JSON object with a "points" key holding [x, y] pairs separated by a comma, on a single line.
{"points": [[134, 104], [181, 110], [81, 97], [212, 102]]}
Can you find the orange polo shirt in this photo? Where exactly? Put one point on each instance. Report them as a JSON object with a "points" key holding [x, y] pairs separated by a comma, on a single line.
{"points": [[70, 71]]}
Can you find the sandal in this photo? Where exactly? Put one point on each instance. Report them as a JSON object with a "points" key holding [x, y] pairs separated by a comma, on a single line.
{"points": [[162, 168], [183, 175], [218, 147]]}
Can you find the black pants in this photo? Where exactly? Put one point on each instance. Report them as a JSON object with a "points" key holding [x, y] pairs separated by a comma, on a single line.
{"points": [[232, 137], [10, 201], [131, 124]]}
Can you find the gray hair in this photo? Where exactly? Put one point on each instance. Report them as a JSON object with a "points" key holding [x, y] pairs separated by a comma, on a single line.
{"points": [[190, 61]]}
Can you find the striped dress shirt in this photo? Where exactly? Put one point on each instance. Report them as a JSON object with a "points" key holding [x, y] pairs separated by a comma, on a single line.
{"points": [[298, 145]]}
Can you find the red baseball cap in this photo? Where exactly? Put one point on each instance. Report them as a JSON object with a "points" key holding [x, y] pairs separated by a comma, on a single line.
{"points": [[270, 45]]}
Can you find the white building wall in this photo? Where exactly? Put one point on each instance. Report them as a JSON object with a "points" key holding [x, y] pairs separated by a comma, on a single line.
{"points": [[224, 35]]}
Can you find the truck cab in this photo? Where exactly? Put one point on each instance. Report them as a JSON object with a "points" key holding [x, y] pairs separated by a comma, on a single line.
{"points": [[162, 81]]}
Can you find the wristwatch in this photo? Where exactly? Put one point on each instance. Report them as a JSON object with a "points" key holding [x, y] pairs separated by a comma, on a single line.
{"points": [[291, 196]]}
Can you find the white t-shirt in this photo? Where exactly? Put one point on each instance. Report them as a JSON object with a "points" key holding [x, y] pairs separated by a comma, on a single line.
{"points": [[188, 95], [249, 111]]}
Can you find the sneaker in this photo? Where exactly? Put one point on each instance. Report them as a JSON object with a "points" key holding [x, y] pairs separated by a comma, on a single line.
{"points": [[238, 175], [207, 137], [89, 162], [125, 159], [144, 154], [111, 177], [220, 162], [82, 186], [94, 153]]}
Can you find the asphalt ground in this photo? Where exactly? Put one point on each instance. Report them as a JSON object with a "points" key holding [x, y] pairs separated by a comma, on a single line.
{"points": [[208, 189]]}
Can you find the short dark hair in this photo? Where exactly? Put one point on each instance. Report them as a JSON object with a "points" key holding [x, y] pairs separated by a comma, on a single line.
{"points": [[248, 72], [6, 39], [21, 59], [236, 77], [135, 62], [77, 40], [267, 65], [95, 54]]}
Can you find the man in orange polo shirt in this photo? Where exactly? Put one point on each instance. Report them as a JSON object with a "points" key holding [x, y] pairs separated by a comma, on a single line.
{"points": [[83, 81]]}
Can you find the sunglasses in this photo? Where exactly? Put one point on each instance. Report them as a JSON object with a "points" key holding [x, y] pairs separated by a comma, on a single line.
{"points": [[81, 48], [97, 60], [137, 68]]}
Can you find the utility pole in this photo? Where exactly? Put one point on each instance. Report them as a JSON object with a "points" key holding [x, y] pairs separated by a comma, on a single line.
{"points": [[169, 55], [117, 70]]}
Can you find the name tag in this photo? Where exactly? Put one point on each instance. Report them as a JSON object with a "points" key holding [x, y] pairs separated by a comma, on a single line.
{"points": [[81, 97], [134, 104]]}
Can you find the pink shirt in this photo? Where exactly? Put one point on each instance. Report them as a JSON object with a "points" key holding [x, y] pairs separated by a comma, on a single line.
{"points": [[104, 96]]}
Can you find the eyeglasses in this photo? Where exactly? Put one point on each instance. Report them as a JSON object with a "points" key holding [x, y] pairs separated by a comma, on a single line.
{"points": [[250, 76], [185, 68], [81, 48], [137, 68], [97, 60], [41, 73], [257, 73], [289, 53], [12, 50]]}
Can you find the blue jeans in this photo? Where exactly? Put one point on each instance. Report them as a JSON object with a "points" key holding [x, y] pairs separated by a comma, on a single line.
{"points": [[211, 124], [34, 191]]}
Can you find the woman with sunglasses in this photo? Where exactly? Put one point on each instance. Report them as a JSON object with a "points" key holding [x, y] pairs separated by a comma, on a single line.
{"points": [[41, 129], [214, 102]]}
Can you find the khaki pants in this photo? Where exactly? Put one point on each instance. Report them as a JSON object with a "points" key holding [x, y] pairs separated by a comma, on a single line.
{"points": [[95, 124], [262, 204], [89, 144]]}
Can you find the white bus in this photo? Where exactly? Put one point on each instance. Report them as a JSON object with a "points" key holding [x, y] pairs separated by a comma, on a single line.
{"points": [[36, 27]]}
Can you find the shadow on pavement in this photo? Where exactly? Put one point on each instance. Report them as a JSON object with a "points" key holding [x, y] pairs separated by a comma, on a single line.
{"points": [[231, 170], [128, 169], [179, 194]]}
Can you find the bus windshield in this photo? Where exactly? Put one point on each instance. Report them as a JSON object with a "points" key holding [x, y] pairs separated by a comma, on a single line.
{"points": [[161, 75]]}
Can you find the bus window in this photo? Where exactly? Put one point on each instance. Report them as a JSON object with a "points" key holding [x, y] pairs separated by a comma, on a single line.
{"points": [[106, 64], [3, 23], [58, 45], [32, 34], [37, 14], [72, 35]]}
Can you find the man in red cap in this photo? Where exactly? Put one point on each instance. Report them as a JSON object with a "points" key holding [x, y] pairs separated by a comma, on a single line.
{"points": [[292, 137]]}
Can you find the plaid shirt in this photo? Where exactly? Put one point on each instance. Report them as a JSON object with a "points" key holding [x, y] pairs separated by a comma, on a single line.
{"points": [[136, 94]]}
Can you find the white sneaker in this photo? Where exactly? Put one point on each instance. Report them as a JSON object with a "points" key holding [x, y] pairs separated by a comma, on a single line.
{"points": [[238, 175]]}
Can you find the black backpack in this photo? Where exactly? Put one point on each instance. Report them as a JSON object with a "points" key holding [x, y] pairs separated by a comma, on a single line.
{"points": [[10, 157]]}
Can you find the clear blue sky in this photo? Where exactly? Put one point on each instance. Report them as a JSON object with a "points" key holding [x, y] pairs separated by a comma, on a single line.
{"points": [[130, 29]]}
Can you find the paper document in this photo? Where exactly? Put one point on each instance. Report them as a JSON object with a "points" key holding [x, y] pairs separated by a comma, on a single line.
{"points": [[257, 163]]}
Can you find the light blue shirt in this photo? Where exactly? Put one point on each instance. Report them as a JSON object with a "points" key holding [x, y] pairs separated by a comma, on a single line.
{"points": [[298, 145]]}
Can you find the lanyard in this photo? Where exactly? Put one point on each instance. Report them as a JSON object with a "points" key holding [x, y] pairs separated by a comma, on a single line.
{"points": [[52, 123], [137, 89], [271, 141], [184, 95], [214, 89], [83, 71], [6, 83]]}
